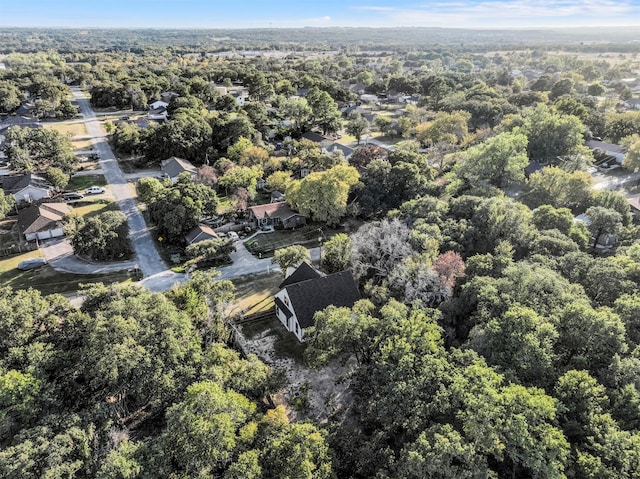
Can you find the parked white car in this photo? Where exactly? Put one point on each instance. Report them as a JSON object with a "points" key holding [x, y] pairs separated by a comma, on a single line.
{"points": [[94, 190]]}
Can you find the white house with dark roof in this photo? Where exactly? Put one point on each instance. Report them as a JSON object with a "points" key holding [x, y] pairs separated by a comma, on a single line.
{"points": [[26, 187], [609, 148], [307, 291], [174, 166]]}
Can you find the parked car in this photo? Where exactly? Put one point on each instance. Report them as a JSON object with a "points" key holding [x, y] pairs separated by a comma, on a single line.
{"points": [[94, 190], [31, 263], [72, 196]]}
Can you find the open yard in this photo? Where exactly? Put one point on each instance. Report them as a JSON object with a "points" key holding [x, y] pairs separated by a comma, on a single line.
{"points": [[93, 208], [71, 128], [309, 393], [47, 280], [255, 295], [77, 183], [266, 243]]}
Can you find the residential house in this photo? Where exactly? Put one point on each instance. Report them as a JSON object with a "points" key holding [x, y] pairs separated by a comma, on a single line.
{"points": [[334, 147], [277, 214], [358, 88], [307, 291], [277, 196], [26, 187], [367, 98], [156, 104], [609, 148], [634, 203], [316, 137], [633, 103], [160, 115], [173, 167], [222, 90], [605, 241], [200, 233], [40, 222]]}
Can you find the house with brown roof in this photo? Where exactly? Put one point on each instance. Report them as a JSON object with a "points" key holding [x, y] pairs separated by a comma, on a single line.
{"points": [[42, 221], [278, 215], [307, 291]]}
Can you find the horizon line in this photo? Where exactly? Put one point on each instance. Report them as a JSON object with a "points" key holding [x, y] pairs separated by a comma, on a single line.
{"points": [[317, 27]]}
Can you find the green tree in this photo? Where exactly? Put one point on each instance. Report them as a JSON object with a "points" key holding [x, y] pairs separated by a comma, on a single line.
{"points": [[290, 257], [37, 149], [103, 237], [520, 343], [603, 220], [204, 430], [323, 195], [324, 111], [499, 160], [279, 180], [336, 253], [551, 135], [177, 208], [10, 97], [213, 251], [357, 125], [6, 204], [57, 177], [558, 188]]}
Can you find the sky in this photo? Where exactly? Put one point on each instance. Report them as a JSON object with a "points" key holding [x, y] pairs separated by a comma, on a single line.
{"points": [[318, 13]]}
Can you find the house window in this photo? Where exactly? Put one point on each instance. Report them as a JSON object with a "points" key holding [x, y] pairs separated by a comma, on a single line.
{"points": [[277, 311], [286, 301], [297, 329]]}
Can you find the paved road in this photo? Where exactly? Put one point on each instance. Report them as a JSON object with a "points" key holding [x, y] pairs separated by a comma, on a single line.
{"points": [[147, 257], [244, 264]]}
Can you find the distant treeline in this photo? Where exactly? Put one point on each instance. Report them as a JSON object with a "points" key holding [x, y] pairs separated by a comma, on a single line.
{"points": [[623, 39]]}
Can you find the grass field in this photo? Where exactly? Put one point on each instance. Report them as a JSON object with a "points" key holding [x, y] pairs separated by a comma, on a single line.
{"points": [[255, 295], [81, 182], [267, 243], [70, 128], [94, 208], [47, 280]]}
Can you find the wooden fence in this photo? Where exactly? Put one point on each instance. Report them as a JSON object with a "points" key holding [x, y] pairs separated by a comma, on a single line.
{"points": [[17, 249]]}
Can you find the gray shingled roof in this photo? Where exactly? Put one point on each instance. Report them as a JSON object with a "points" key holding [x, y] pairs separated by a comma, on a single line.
{"points": [[304, 272], [14, 183], [311, 296], [174, 166]]}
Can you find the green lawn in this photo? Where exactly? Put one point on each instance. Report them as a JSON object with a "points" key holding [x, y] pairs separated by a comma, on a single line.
{"points": [[255, 295], [90, 209], [47, 280], [267, 243], [82, 182]]}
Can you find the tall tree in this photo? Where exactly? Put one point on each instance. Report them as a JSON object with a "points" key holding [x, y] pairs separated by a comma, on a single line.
{"points": [[499, 160], [323, 195]]}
